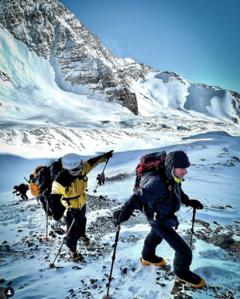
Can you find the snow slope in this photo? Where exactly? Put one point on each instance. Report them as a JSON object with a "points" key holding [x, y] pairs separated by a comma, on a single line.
{"points": [[27, 267]]}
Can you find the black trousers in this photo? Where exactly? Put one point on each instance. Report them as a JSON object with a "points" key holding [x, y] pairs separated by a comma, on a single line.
{"points": [[23, 195], [183, 253], [78, 229], [44, 204], [56, 207]]}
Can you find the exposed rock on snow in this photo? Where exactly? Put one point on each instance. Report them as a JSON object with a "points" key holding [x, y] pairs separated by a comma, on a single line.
{"points": [[223, 241]]}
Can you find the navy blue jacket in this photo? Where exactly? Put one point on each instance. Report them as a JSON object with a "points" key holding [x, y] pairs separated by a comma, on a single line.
{"points": [[158, 199]]}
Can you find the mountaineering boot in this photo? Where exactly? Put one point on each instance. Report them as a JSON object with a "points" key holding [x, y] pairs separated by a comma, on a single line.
{"points": [[75, 256], [84, 239], [156, 260], [62, 222], [192, 279], [56, 228]]}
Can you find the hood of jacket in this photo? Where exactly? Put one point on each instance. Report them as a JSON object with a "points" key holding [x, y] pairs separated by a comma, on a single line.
{"points": [[176, 159]]}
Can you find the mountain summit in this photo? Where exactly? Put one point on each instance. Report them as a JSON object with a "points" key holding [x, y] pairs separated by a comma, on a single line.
{"points": [[53, 32]]}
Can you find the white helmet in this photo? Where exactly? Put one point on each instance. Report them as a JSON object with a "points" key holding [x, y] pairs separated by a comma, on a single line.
{"points": [[72, 161]]}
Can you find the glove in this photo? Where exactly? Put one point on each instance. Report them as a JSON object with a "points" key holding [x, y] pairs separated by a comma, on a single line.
{"points": [[31, 177], [195, 204], [120, 216], [174, 217], [109, 155]]}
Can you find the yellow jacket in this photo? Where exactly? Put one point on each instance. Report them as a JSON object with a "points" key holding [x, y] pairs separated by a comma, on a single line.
{"points": [[73, 189]]}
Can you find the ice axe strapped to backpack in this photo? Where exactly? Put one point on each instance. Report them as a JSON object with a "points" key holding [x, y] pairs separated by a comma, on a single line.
{"points": [[152, 163]]}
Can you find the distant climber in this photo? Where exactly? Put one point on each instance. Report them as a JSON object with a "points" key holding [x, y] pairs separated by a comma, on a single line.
{"points": [[21, 190], [99, 179]]}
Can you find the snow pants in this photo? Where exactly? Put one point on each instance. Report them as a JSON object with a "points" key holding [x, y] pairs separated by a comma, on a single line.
{"points": [[56, 207], [44, 204], [23, 195], [183, 253], [78, 229]]}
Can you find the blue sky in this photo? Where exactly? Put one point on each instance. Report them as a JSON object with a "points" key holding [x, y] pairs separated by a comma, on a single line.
{"points": [[198, 39]]}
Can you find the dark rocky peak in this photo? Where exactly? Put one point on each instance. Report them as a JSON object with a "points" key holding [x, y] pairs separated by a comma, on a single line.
{"points": [[48, 28]]}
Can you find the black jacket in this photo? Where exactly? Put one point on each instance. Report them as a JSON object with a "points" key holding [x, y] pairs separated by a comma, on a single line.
{"points": [[159, 200], [160, 196]]}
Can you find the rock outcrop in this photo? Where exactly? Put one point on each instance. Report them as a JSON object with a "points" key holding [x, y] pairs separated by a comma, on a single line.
{"points": [[48, 28]]}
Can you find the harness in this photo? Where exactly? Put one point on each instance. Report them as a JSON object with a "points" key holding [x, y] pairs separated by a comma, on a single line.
{"points": [[67, 199]]}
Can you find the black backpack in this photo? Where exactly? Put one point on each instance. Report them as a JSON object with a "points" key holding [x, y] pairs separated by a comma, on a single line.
{"points": [[152, 163], [55, 167]]}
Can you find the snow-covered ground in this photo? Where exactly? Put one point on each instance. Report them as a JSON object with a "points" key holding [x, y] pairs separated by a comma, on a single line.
{"points": [[210, 179], [40, 123]]}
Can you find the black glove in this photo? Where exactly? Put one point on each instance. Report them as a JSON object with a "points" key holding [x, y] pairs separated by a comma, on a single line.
{"points": [[120, 216], [109, 155], [31, 177], [195, 204], [174, 217]]}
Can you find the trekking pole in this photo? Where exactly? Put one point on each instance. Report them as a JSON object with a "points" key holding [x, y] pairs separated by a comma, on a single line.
{"points": [[113, 258], [51, 265], [192, 231], [46, 239], [96, 187], [102, 173]]}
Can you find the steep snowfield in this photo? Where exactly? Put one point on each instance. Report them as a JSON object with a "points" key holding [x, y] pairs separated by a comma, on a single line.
{"points": [[32, 95], [39, 117]]}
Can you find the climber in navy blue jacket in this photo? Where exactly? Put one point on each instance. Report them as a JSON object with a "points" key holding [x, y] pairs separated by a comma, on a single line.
{"points": [[159, 198]]}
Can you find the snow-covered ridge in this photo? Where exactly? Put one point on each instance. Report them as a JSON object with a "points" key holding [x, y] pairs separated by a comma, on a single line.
{"points": [[38, 115]]}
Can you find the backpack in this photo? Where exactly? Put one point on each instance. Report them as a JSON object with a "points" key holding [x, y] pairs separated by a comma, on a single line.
{"points": [[152, 163], [33, 187], [55, 167]]}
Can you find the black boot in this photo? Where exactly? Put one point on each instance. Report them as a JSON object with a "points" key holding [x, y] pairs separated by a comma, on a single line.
{"points": [[84, 239], [155, 260], [192, 279], [75, 256]]}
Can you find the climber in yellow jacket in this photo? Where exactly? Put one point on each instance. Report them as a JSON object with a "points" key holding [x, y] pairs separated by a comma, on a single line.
{"points": [[69, 188]]}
